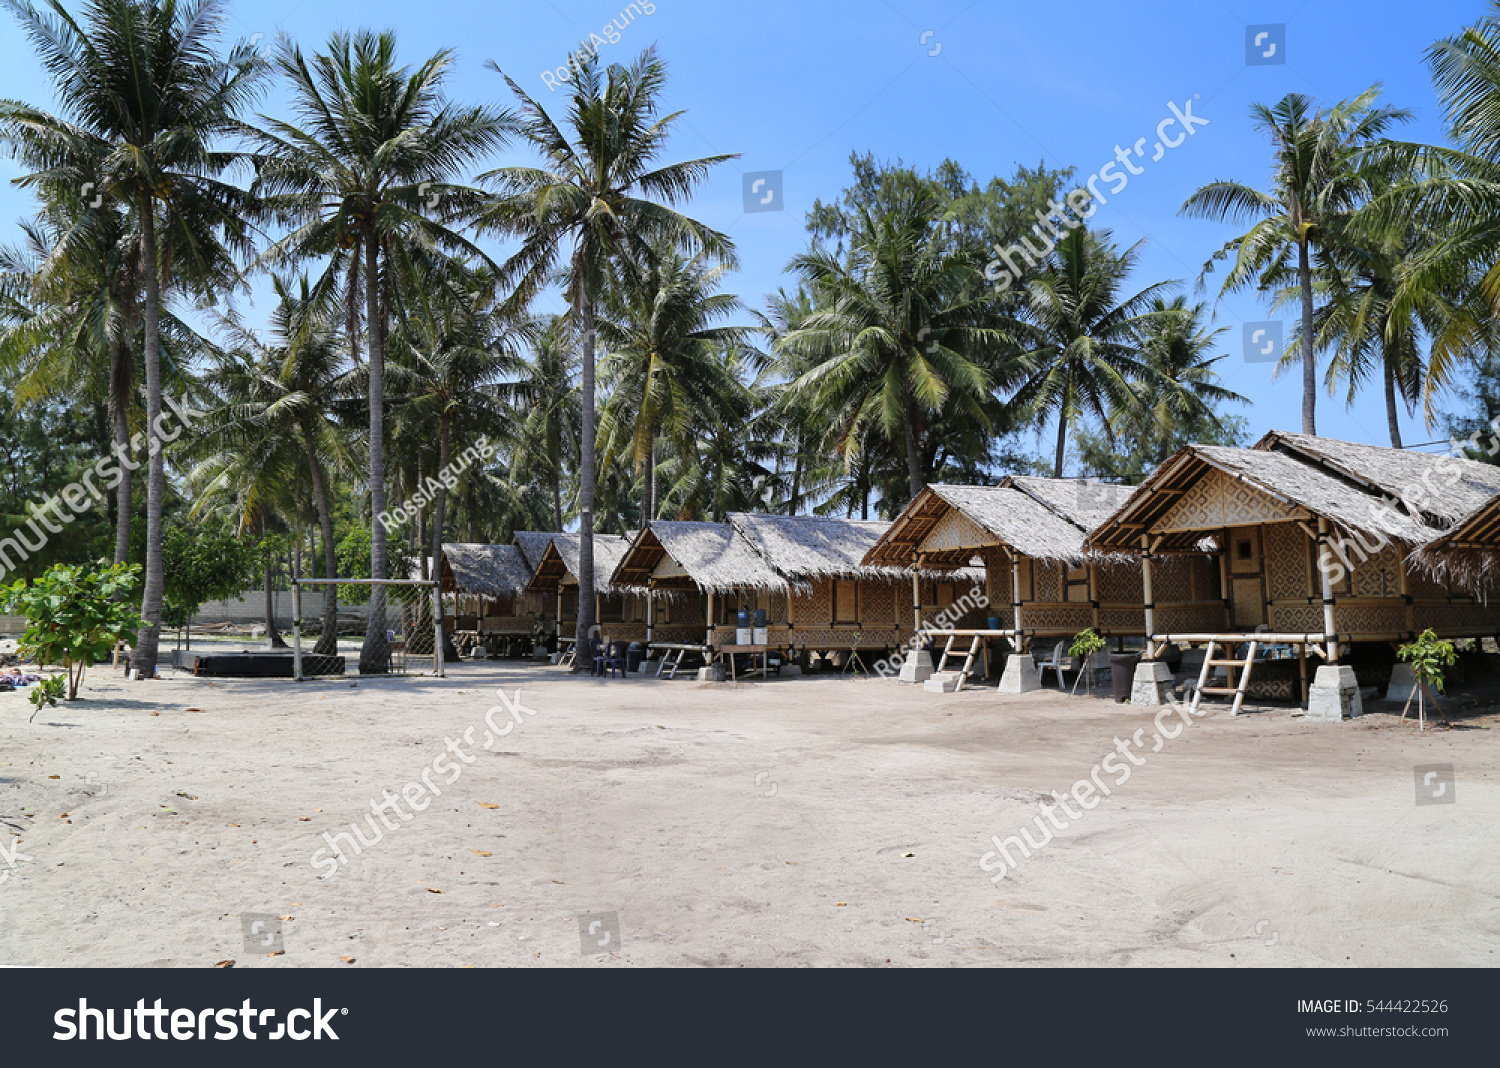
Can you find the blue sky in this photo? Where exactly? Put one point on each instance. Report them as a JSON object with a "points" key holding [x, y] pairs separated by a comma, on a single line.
{"points": [[796, 87]]}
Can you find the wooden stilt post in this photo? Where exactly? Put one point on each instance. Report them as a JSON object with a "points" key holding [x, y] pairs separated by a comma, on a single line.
{"points": [[1015, 597], [1330, 633], [1150, 607]]}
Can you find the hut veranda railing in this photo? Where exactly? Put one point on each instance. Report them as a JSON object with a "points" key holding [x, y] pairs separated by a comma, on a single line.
{"points": [[437, 614]]}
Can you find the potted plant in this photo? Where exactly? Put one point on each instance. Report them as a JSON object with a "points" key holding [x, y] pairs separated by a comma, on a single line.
{"points": [[1085, 644], [1428, 656]]}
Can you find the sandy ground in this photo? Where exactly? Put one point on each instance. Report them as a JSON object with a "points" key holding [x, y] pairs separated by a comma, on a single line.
{"points": [[812, 821]]}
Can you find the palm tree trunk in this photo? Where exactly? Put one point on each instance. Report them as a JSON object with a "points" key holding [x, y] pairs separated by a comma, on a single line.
{"points": [[422, 542], [119, 408], [1309, 363], [328, 641], [440, 501], [648, 491], [913, 457], [143, 657], [585, 626], [1392, 410], [557, 516], [374, 655], [1062, 440]]}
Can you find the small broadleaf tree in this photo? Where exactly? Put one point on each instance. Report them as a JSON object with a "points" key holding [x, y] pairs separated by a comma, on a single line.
{"points": [[75, 615]]}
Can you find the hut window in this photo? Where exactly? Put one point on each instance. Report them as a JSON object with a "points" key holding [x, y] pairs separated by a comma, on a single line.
{"points": [[1244, 549], [846, 601], [944, 594]]}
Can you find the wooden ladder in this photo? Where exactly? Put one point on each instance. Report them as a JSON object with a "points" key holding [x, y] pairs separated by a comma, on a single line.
{"points": [[1209, 663], [963, 676]]}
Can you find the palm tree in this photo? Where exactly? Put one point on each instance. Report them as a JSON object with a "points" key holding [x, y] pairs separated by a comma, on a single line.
{"points": [[450, 354], [294, 386], [1317, 182], [1184, 390], [904, 331], [659, 326], [365, 182], [1081, 339], [145, 93], [71, 317], [595, 199], [545, 405]]}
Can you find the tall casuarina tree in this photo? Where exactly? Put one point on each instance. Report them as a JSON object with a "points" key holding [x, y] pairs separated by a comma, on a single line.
{"points": [[146, 93], [597, 196], [365, 178], [1316, 181]]}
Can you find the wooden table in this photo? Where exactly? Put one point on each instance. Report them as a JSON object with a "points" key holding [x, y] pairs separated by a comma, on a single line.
{"points": [[764, 651], [681, 649]]}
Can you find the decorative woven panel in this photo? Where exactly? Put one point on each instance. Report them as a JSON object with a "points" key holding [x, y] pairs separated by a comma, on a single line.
{"points": [[996, 575], [1249, 606], [1360, 619], [818, 609], [1455, 617], [776, 607], [1056, 617], [1171, 580], [1422, 587], [1049, 582], [830, 638], [1217, 500], [678, 633], [955, 531], [1287, 561], [1121, 584], [1028, 586], [1189, 619], [1123, 620], [1297, 618], [625, 632], [877, 603], [1379, 575]]}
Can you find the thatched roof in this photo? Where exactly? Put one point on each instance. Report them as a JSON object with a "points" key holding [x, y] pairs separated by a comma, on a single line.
{"points": [[1011, 516], [533, 545], [1084, 502], [560, 562], [804, 547], [1300, 473], [488, 570], [710, 556], [1468, 553], [1462, 485]]}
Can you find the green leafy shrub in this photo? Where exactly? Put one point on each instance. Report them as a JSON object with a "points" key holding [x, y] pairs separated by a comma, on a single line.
{"points": [[1428, 657], [75, 615]]}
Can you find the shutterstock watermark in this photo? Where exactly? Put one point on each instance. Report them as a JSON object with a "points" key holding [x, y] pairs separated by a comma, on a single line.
{"points": [[81, 496], [415, 793], [10, 856], [891, 665], [1011, 263], [482, 450], [590, 48], [1085, 792]]}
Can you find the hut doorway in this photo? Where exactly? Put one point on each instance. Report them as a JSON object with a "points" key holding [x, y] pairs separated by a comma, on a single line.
{"points": [[1247, 577]]}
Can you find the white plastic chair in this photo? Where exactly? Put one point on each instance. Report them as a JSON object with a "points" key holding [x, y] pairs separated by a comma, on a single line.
{"points": [[1057, 664]]}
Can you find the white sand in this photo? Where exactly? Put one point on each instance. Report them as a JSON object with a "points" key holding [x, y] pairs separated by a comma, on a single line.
{"points": [[649, 799]]}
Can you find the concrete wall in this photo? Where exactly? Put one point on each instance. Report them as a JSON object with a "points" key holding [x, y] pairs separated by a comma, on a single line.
{"points": [[250, 607]]}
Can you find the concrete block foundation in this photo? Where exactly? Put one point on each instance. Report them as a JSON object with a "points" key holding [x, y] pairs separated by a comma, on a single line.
{"points": [[1334, 695], [1020, 674], [917, 667], [1152, 685]]}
